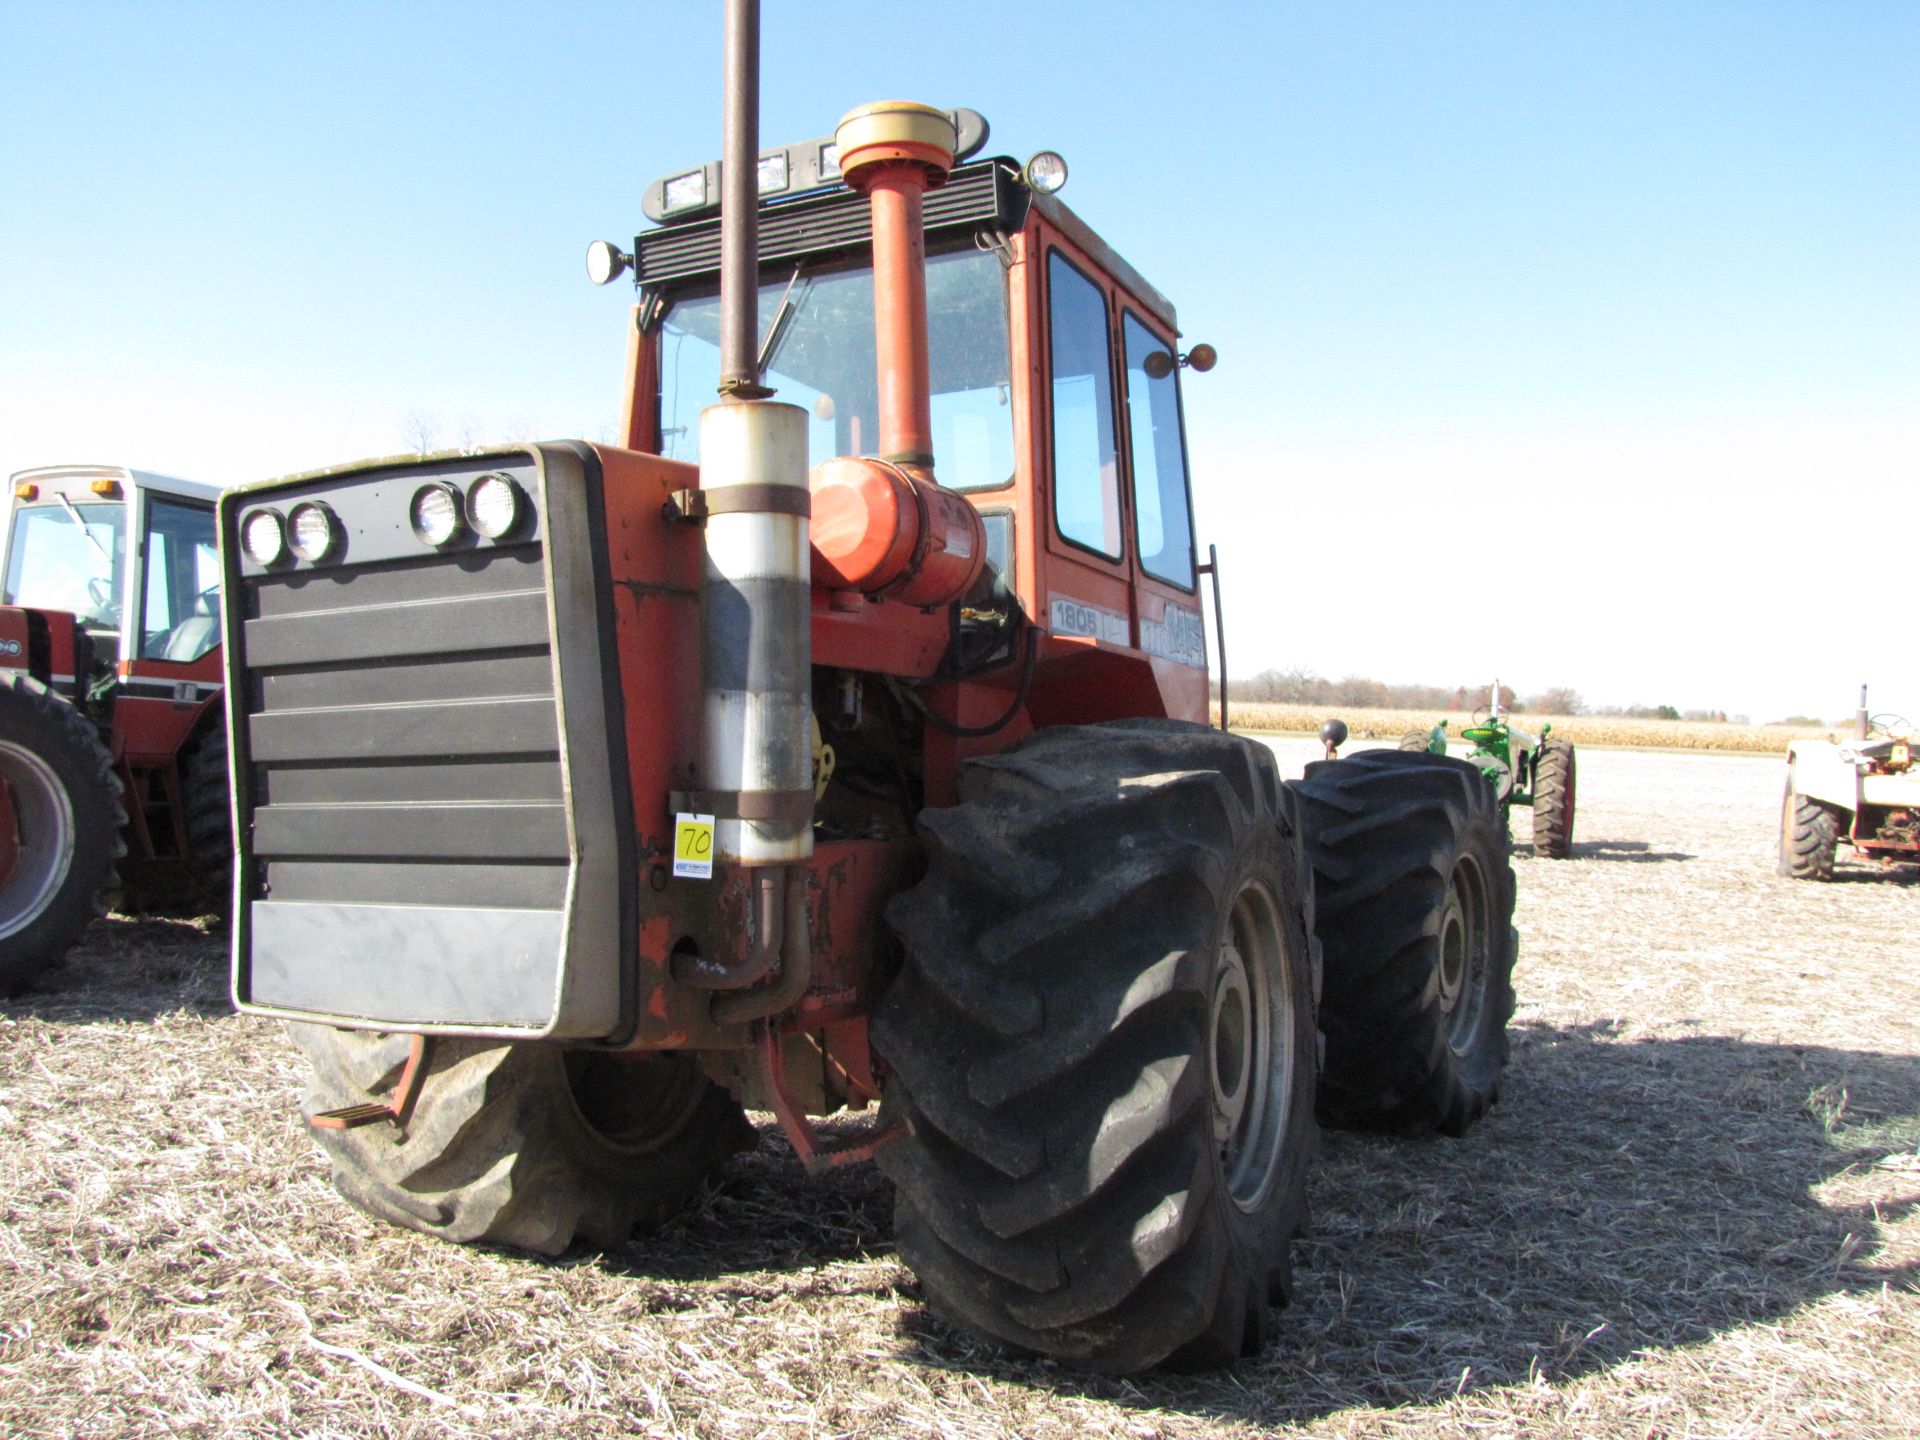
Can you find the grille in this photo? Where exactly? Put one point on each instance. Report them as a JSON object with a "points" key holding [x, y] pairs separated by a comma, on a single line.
{"points": [[403, 734]]}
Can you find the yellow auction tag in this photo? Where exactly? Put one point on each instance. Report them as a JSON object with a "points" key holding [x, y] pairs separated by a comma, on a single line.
{"points": [[693, 847]]}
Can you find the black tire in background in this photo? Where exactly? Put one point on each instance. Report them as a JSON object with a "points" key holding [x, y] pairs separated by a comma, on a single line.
{"points": [[205, 794], [1413, 896], [1809, 836], [1417, 740], [68, 818], [1554, 789], [1101, 1047], [529, 1145]]}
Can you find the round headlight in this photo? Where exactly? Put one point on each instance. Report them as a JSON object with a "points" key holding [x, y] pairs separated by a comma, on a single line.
{"points": [[263, 537], [312, 531], [495, 505], [605, 262], [1045, 172], [435, 513]]}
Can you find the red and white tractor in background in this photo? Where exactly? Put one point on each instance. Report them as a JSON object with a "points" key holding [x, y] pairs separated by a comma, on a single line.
{"points": [[113, 745], [1864, 792]]}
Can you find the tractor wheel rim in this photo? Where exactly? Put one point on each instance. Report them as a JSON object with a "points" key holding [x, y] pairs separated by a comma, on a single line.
{"points": [[44, 813], [1465, 956], [1250, 1046]]}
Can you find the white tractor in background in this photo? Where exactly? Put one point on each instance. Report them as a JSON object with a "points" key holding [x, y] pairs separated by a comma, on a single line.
{"points": [[1864, 792]]}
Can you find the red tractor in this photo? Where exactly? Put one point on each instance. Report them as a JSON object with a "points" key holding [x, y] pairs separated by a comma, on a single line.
{"points": [[113, 746], [839, 751]]}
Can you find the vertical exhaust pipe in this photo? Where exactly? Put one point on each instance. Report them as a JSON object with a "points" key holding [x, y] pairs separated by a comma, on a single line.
{"points": [[893, 153], [756, 658], [739, 202]]}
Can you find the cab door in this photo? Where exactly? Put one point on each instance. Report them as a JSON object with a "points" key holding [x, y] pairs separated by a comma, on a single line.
{"points": [[1158, 502], [1089, 570], [1114, 504]]}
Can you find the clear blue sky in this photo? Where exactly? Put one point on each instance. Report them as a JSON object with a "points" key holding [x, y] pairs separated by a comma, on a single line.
{"points": [[1574, 342]]}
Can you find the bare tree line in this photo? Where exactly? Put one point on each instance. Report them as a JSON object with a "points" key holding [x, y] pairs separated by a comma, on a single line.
{"points": [[1300, 686]]}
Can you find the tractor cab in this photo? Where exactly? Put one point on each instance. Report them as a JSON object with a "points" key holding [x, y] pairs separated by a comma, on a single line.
{"points": [[105, 564], [1053, 371]]}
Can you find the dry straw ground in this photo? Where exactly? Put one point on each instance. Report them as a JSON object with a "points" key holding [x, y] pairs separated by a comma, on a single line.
{"points": [[1695, 1213]]}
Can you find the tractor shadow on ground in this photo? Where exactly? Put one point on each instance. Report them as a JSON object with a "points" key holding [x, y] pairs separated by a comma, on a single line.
{"points": [[1634, 852], [1626, 1196], [132, 968], [764, 1213]]}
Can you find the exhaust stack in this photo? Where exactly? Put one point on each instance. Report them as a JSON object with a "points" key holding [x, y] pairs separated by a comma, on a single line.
{"points": [[756, 657], [893, 153]]}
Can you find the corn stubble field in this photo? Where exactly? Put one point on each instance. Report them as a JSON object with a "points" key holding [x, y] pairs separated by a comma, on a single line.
{"points": [[1618, 730], [1696, 1212]]}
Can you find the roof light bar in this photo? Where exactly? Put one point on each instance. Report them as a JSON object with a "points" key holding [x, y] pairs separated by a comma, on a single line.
{"points": [[785, 170]]}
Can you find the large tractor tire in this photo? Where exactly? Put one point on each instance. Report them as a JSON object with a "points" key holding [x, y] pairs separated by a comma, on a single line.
{"points": [[1420, 740], [60, 828], [1553, 797], [1413, 892], [1102, 1047], [528, 1145], [209, 815], [1809, 837]]}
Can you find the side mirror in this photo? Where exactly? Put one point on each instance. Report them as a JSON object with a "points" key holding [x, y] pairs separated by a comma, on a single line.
{"points": [[1159, 364]]}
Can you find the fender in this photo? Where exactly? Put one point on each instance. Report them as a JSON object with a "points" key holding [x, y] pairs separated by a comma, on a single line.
{"points": [[1815, 770]]}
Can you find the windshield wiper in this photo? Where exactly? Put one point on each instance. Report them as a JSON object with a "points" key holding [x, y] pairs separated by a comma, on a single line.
{"points": [[782, 318], [92, 539]]}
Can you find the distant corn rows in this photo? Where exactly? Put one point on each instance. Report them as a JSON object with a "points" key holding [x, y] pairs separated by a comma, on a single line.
{"points": [[1369, 724]]}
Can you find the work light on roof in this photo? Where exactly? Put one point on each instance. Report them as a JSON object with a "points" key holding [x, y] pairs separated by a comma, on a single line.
{"points": [[686, 192], [1045, 172], [606, 262]]}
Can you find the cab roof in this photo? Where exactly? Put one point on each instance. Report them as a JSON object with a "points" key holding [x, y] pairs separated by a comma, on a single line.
{"points": [[833, 219], [74, 479]]}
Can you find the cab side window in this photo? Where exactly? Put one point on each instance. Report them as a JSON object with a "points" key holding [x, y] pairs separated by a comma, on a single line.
{"points": [[1086, 482], [1159, 458], [181, 619]]}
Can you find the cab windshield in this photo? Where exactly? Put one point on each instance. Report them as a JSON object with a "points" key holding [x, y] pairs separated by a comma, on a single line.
{"points": [[68, 557], [816, 329]]}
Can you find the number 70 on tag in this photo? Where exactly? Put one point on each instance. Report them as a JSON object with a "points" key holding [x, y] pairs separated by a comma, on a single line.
{"points": [[693, 847]]}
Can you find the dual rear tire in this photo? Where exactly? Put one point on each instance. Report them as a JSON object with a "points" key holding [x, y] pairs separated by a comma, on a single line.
{"points": [[1413, 894], [1102, 1047]]}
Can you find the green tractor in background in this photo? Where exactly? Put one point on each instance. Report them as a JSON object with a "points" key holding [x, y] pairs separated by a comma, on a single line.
{"points": [[1523, 769]]}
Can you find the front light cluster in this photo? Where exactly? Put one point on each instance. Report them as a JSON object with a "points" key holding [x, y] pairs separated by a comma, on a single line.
{"points": [[493, 506], [310, 530]]}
